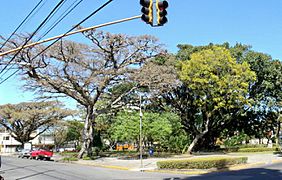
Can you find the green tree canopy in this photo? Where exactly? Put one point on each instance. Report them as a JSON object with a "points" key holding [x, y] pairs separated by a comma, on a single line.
{"points": [[217, 84], [156, 127]]}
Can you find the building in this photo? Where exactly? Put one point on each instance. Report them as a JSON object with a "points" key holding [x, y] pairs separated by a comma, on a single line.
{"points": [[9, 145]]}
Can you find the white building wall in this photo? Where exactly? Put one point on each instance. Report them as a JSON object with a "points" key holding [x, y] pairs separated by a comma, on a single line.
{"points": [[8, 144]]}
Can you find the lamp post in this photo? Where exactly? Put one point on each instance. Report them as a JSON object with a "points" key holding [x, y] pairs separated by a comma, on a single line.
{"points": [[140, 146]]}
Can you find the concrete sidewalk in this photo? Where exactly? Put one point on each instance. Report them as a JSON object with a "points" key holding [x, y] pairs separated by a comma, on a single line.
{"points": [[150, 164]]}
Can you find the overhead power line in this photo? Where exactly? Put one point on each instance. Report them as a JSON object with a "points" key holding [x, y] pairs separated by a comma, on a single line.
{"points": [[74, 27], [22, 23], [59, 19], [32, 35], [68, 34], [4, 80], [57, 9]]}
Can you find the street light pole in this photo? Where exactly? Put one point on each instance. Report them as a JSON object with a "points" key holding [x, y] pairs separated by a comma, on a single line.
{"points": [[140, 146]]}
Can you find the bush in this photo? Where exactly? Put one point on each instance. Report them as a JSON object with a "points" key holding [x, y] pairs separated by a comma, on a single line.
{"points": [[96, 151], [249, 149], [201, 163], [66, 153], [87, 158], [253, 145], [70, 159], [262, 149], [235, 140]]}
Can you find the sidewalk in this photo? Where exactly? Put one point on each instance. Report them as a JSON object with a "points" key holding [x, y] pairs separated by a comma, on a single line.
{"points": [[150, 164]]}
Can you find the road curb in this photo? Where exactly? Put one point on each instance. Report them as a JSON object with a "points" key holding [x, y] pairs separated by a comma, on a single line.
{"points": [[187, 172], [276, 161], [103, 166]]}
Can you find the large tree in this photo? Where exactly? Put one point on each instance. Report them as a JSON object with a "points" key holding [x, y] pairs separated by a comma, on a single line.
{"points": [[266, 92], [24, 119], [205, 85], [217, 84], [87, 73]]}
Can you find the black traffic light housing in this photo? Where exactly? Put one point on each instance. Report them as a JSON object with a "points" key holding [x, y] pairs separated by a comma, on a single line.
{"points": [[161, 12], [147, 10]]}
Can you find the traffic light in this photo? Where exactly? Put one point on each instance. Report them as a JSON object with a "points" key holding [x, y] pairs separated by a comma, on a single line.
{"points": [[147, 10], [161, 12]]}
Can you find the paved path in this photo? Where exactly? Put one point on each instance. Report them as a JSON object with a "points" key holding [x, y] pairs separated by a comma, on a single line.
{"points": [[151, 163]]}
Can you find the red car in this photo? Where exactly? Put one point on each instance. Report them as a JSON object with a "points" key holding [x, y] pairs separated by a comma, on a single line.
{"points": [[41, 154]]}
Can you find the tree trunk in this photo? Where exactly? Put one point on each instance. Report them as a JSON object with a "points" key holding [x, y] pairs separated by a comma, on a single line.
{"points": [[87, 134], [277, 134], [201, 134], [194, 142]]}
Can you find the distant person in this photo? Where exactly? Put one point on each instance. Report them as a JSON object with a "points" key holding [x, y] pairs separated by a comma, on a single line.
{"points": [[151, 151]]}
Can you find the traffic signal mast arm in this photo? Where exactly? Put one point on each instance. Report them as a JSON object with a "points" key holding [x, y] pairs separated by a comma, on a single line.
{"points": [[68, 34]]}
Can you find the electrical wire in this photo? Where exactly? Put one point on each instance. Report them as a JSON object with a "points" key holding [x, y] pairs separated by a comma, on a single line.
{"points": [[74, 27], [63, 15], [9, 76], [30, 14], [77, 25], [60, 6], [32, 35]]}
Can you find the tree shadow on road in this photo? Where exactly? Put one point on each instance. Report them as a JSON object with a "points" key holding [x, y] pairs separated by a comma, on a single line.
{"points": [[246, 174]]}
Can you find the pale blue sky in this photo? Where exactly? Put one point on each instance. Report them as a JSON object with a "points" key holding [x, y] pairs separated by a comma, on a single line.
{"points": [[197, 22]]}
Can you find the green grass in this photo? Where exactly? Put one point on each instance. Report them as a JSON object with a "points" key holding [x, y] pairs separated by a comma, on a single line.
{"points": [[70, 159], [201, 163], [250, 149]]}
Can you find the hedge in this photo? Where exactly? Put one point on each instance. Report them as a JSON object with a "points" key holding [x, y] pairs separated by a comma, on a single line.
{"points": [[201, 163], [261, 149], [251, 149], [70, 159]]}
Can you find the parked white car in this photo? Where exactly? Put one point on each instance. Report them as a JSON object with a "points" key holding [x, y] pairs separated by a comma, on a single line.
{"points": [[24, 153]]}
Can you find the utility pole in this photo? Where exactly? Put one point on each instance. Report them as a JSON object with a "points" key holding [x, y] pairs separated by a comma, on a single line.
{"points": [[141, 146]]}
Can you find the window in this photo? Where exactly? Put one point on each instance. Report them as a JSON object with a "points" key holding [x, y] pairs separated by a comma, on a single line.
{"points": [[6, 137]]}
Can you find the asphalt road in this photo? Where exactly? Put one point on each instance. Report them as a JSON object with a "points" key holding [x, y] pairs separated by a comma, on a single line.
{"points": [[266, 172], [15, 169]]}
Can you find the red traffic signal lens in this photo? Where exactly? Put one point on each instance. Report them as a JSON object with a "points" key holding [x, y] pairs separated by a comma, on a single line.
{"points": [[162, 5]]}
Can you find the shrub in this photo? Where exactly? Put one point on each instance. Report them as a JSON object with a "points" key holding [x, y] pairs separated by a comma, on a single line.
{"points": [[201, 163], [69, 154], [70, 159], [86, 158], [252, 145], [261, 149], [235, 140], [249, 149]]}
